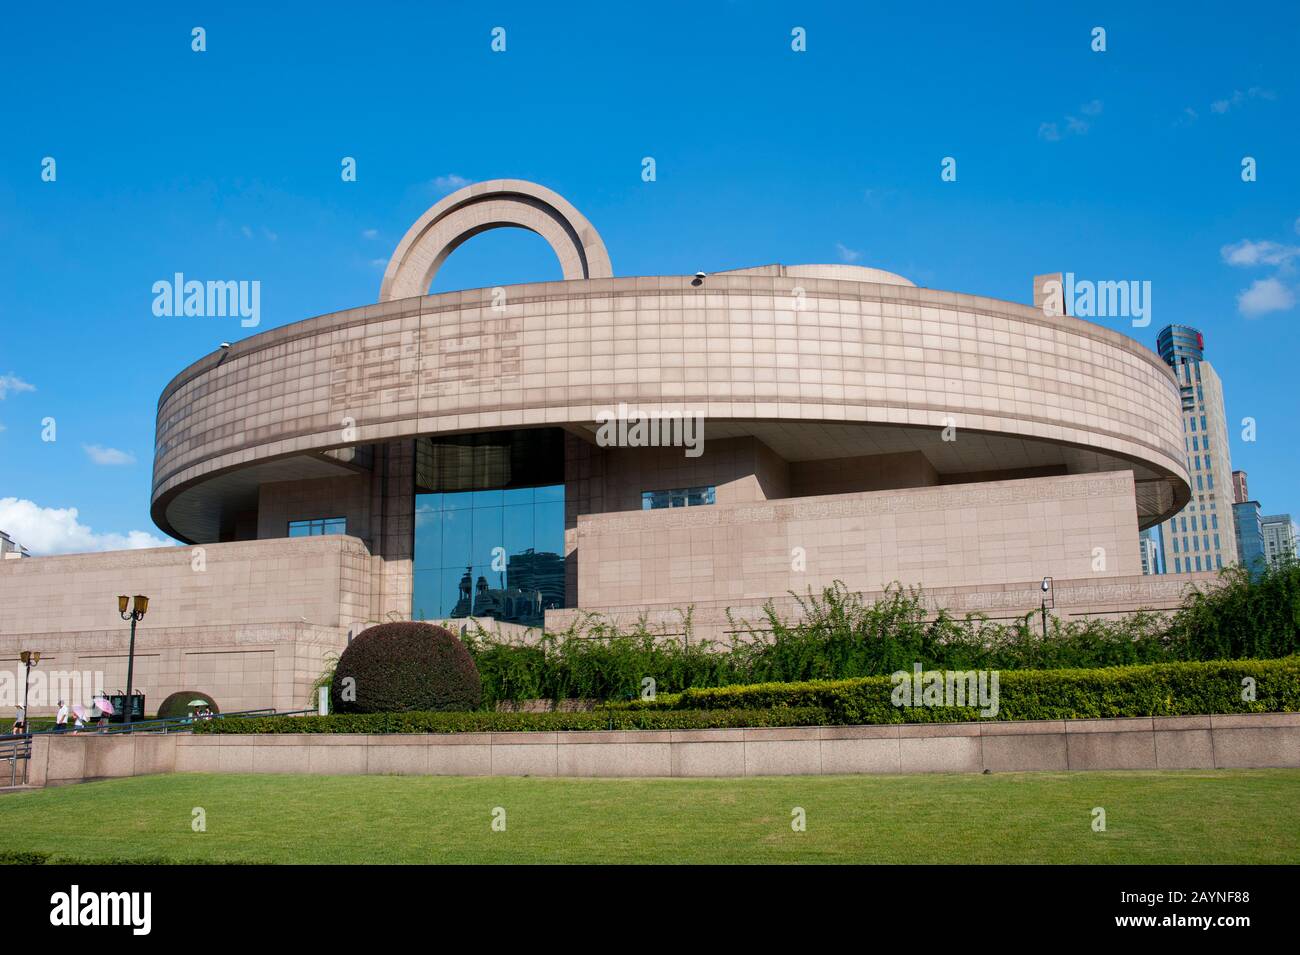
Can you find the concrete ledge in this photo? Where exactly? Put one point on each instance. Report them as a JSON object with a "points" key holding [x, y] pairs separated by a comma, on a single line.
{"points": [[1253, 740]]}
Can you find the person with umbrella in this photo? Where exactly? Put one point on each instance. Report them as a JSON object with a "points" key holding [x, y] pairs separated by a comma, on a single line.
{"points": [[79, 712], [104, 707]]}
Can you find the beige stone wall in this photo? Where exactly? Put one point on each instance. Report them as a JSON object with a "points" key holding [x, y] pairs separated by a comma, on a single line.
{"points": [[1244, 740], [736, 348], [976, 535], [873, 473], [249, 622], [1090, 597], [742, 470], [280, 502]]}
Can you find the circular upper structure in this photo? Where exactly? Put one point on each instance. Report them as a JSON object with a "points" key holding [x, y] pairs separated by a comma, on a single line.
{"points": [[818, 362]]}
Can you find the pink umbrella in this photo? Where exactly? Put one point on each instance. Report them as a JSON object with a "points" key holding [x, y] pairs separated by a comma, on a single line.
{"points": [[104, 706], [79, 711]]}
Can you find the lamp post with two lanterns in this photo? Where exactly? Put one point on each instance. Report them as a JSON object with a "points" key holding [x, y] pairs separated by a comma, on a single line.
{"points": [[29, 658], [139, 604]]}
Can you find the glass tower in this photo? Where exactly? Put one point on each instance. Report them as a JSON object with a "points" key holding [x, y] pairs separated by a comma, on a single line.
{"points": [[1203, 536]]}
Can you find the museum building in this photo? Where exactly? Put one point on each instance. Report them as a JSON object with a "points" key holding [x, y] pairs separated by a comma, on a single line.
{"points": [[449, 456]]}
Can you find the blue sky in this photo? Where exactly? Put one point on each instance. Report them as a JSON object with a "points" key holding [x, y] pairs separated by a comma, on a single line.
{"points": [[225, 164]]}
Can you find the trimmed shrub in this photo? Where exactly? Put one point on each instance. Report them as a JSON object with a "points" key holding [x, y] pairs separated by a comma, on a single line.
{"points": [[490, 722], [841, 635], [1163, 689], [1167, 689], [406, 667], [177, 704]]}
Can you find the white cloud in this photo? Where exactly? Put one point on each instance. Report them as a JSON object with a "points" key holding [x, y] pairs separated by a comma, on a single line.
{"points": [[13, 383], [1222, 106], [1248, 253], [847, 254], [379, 263], [450, 183], [1264, 296], [1074, 126], [248, 233], [109, 456], [369, 233], [56, 530]]}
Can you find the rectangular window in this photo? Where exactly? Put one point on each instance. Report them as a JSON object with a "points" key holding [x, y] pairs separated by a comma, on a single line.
{"points": [[318, 526], [678, 497]]}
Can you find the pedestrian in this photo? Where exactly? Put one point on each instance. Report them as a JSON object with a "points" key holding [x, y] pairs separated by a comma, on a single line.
{"points": [[61, 718]]}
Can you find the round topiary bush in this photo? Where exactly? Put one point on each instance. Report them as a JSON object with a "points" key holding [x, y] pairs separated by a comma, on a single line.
{"points": [[399, 667], [178, 704]]}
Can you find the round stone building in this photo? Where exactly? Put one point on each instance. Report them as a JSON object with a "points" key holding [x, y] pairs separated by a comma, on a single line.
{"points": [[635, 446]]}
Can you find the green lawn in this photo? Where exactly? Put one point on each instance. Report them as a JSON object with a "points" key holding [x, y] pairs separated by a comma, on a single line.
{"points": [[1232, 816]]}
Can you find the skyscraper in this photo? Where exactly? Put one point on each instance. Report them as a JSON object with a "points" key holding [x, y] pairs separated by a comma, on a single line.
{"points": [[1152, 557], [1279, 537], [1203, 535], [1240, 492], [1250, 535]]}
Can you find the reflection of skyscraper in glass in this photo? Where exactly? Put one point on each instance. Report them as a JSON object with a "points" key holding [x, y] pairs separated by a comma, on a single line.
{"points": [[541, 574], [534, 583]]}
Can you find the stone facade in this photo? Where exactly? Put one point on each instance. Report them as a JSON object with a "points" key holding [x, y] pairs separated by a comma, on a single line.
{"points": [[855, 428], [1246, 740], [250, 623]]}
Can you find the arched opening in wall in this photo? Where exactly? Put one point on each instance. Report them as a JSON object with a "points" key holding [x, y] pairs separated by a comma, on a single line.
{"points": [[503, 256]]}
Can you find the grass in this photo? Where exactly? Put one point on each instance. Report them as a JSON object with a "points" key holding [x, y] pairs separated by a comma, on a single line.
{"points": [[1223, 816]]}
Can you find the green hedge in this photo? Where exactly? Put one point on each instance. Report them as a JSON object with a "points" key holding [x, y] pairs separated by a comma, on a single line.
{"points": [[1163, 689], [486, 722], [837, 634]]}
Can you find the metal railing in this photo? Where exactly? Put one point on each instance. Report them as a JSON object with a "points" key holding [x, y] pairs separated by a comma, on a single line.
{"points": [[13, 749], [173, 724]]}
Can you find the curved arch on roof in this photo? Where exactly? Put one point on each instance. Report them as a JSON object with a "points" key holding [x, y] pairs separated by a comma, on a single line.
{"points": [[498, 203]]}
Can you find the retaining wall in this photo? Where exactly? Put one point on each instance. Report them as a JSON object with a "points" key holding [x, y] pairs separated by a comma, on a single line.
{"points": [[1184, 742]]}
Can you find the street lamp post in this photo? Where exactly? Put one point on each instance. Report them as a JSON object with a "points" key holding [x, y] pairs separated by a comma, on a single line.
{"points": [[29, 658], [1048, 595], [139, 604]]}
